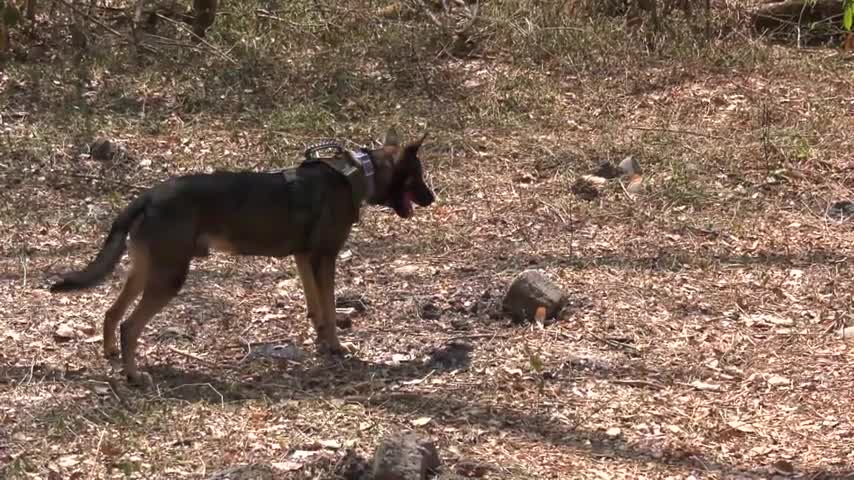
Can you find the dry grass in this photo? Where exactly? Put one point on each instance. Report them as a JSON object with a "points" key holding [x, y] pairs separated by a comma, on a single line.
{"points": [[699, 342]]}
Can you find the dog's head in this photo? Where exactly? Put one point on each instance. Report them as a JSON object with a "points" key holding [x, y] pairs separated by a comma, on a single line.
{"points": [[400, 176]]}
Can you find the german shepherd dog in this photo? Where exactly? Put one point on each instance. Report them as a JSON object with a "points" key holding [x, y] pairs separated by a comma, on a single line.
{"points": [[306, 212]]}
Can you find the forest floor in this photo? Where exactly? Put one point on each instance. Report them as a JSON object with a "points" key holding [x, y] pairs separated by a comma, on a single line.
{"points": [[701, 338]]}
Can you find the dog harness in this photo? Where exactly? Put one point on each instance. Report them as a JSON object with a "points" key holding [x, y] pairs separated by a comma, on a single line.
{"points": [[356, 166]]}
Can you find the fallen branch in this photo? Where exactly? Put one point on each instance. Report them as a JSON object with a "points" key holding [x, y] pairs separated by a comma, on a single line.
{"points": [[637, 383], [189, 355], [795, 13], [214, 49], [90, 18]]}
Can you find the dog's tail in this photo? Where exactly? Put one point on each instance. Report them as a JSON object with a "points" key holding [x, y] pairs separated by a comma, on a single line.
{"points": [[111, 252]]}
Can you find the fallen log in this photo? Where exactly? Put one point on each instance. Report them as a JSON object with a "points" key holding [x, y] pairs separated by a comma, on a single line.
{"points": [[788, 16]]}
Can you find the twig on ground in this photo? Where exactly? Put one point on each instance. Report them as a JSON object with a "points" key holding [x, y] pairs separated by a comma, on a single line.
{"points": [[637, 383], [556, 210], [111, 180], [261, 13], [248, 344], [681, 132], [616, 343], [189, 355], [24, 262], [430, 15], [473, 336], [91, 18], [221, 397], [629, 195]]}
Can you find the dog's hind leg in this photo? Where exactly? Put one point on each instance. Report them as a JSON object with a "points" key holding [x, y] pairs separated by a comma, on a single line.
{"points": [[324, 274], [163, 283], [133, 286]]}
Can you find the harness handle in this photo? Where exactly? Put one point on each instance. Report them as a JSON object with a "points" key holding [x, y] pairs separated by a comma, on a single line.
{"points": [[311, 152]]}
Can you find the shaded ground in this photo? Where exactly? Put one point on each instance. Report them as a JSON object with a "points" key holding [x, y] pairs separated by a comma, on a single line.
{"points": [[700, 339]]}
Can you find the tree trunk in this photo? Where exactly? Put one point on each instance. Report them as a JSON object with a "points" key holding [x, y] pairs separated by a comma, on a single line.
{"points": [[204, 14]]}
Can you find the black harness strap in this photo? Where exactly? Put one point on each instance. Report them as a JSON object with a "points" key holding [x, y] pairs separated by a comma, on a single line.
{"points": [[347, 164]]}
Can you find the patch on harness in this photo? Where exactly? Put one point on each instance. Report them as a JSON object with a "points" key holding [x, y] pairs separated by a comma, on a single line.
{"points": [[363, 159]]}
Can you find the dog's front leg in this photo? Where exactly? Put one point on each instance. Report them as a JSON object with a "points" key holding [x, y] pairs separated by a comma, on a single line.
{"points": [[309, 285], [317, 274], [324, 274]]}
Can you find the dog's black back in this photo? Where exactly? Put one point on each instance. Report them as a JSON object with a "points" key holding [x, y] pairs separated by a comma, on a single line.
{"points": [[249, 213]]}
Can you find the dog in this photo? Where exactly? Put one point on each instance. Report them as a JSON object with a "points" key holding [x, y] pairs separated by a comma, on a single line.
{"points": [[306, 212]]}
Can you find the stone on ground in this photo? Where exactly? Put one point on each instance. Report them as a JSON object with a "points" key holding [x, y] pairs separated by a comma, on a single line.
{"points": [[529, 291], [405, 456]]}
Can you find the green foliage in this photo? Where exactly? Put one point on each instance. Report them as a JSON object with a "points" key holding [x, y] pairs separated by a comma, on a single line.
{"points": [[848, 15], [10, 14]]}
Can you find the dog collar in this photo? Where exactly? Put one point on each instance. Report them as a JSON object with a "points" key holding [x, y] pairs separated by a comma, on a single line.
{"points": [[364, 160]]}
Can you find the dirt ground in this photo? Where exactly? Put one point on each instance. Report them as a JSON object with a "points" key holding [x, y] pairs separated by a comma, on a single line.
{"points": [[701, 338]]}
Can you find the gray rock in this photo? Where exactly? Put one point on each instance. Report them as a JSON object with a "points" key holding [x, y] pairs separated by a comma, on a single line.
{"points": [[630, 166], [841, 210], [529, 291], [405, 456], [287, 350], [455, 354], [103, 149]]}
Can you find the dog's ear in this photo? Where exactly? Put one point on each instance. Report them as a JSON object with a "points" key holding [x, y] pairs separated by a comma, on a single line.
{"points": [[420, 141], [410, 152], [391, 143]]}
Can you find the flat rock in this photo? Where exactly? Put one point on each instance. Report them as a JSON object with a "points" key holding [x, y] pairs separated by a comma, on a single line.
{"points": [[454, 354], [288, 351], [405, 456], [103, 149], [64, 332], [430, 311], [841, 210], [351, 299], [407, 270], [246, 472], [529, 291]]}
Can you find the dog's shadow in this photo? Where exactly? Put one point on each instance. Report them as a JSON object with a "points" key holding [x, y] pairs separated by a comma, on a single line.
{"points": [[318, 376], [377, 384]]}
